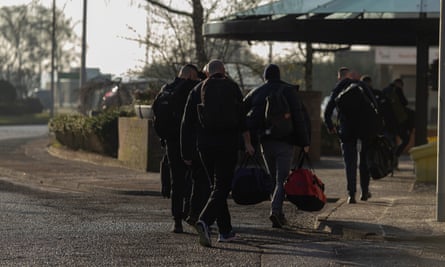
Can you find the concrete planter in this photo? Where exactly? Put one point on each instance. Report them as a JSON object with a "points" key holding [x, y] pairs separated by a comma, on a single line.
{"points": [[143, 111], [425, 158]]}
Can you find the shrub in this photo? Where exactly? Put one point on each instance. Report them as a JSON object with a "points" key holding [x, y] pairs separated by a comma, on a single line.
{"points": [[96, 134]]}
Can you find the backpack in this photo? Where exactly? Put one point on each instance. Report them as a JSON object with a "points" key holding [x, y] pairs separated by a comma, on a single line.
{"points": [[167, 116], [398, 108], [380, 157], [357, 107], [221, 105], [277, 115]]}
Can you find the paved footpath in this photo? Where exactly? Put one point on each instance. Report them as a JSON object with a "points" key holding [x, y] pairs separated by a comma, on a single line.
{"points": [[399, 209]]}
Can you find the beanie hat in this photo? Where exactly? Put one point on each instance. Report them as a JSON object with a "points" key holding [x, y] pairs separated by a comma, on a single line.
{"points": [[271, 72]]}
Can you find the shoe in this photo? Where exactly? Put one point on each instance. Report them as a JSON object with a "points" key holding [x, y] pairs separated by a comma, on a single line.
{"points": [[204, 234], [177, 227], [191, 220], [275, 219], [227, 237], [365, 196], [283, 219], [351, 200]]}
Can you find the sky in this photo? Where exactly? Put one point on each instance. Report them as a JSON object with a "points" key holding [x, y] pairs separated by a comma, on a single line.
{"points": [[107, 28]]}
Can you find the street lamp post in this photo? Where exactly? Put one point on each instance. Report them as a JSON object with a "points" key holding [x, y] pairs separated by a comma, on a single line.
{"points": [[83, 72]]}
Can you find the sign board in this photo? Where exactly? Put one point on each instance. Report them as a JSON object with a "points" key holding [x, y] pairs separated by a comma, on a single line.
{"points": [[69, 75], [401, 55]]}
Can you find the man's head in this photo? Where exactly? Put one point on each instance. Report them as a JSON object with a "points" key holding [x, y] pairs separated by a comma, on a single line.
{"points": [[271, 72], [398, 83], [353, 75], [342, 73], [188, 72], [215, 66], [367, 80]]}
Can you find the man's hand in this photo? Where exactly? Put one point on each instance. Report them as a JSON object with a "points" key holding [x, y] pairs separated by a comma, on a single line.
{"points": [[188, 162], [306, 149], [250, 149], [332, 130]]}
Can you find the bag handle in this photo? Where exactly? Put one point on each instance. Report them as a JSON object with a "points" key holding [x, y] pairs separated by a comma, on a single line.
{"points": [[258, 162], [302, 157]]}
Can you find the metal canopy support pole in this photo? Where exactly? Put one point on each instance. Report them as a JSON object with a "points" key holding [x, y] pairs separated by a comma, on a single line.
{"points": [[53, 53], [441, 117], [421, 114]]}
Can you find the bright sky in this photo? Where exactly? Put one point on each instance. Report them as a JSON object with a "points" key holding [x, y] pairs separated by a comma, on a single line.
{"points": [[107, 29]]}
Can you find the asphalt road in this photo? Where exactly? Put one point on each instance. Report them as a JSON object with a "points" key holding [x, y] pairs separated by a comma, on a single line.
{"points": [[62, 228]]}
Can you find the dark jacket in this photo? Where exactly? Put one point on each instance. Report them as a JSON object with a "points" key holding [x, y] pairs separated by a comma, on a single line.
{"points": [[358, 126], [255, 104], [181, 88], [340, 86], [193, 133]]}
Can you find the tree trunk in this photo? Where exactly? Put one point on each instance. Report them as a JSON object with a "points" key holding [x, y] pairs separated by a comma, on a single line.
{"points": [[198, 21]]}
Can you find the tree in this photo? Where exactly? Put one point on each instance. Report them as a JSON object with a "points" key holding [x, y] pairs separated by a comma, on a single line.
{"points": [[25, 44], [179, 38]]}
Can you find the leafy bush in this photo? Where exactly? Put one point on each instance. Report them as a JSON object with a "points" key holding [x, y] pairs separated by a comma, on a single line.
{"points": [[96, 134]]}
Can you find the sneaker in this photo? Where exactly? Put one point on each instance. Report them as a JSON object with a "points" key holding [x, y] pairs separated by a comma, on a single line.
{"points": [[283, 219], [227, 237], [365, 196], [191, 220], [275, 219], [204, 234], [177, 227], [351, 200]]}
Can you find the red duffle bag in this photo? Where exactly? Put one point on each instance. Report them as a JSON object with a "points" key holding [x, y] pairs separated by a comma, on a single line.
{"points": [[303, 188]]}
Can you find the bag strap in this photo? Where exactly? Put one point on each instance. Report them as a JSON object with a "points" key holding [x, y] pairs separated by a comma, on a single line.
{"points": [[302, 157], [257, 162]]}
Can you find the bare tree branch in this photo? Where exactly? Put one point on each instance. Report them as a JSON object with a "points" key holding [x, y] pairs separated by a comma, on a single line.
{"points": [[169, 9]]}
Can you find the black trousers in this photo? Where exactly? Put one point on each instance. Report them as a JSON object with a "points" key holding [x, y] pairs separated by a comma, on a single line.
{"points": [[200, 189], [181, 184], [220, 164], [351, 158]]}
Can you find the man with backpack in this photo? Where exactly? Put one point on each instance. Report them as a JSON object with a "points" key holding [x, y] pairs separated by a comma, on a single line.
{"points": [[358, 121], [275, 115], [168, 109], [214, 115], [404, 117]]}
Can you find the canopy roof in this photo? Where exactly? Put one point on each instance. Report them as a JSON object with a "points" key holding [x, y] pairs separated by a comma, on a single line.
{"points": [[373, 22]]}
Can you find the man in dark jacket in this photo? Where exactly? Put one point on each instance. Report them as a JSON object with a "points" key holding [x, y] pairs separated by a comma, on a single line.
{"points": [[404, 117], [218, 149], [181, 86], [277, 151], [350, 134]]}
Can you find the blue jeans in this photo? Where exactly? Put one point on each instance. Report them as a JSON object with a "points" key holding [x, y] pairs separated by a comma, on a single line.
{"points": [[278, 156]]}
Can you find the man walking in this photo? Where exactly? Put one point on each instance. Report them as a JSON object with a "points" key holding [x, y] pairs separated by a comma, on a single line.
{"points": [[350, 133], [277, 149], [168, 109], [215, 115]]}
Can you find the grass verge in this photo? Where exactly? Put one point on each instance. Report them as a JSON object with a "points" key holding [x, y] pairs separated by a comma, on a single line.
{"points": [[28, 119]]}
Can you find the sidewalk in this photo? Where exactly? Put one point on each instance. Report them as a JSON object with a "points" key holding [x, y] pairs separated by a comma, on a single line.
{"points": [[399, 208]]}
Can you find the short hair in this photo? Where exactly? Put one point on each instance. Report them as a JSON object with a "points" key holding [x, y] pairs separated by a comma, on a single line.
{"points": [[186, 70], [366, 78], [215, 66]]}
